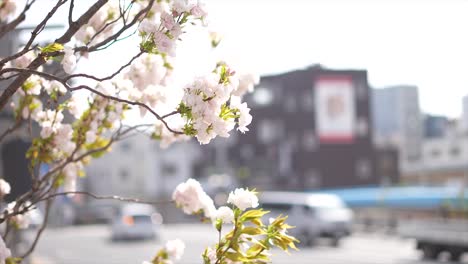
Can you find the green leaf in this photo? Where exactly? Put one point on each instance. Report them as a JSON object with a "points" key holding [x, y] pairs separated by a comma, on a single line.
{"points": [[53, 47], [253, 214], [253, 231], [12, 260]]}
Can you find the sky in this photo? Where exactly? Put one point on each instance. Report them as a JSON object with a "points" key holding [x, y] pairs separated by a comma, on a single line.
{"points": [[423, 43]]}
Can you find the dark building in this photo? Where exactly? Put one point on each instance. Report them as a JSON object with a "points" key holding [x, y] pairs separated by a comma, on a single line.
{"points": [[311, 129]]}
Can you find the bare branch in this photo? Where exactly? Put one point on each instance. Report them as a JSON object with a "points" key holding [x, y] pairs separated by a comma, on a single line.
{"points": [[170, 114], [105, 78], [39, 232], [16, 55], [43, 23], [5, 28], [11, 129], [108, 197], [40, 60], [116, 35], [70, 12]]}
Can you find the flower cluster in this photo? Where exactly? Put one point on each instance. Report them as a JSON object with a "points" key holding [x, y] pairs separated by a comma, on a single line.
{"points": [[4, 188], [212, 105], [69, 60], [191, 198], [172, 251], [161, 31], [146, 80], [249, 239], [7, 8]]}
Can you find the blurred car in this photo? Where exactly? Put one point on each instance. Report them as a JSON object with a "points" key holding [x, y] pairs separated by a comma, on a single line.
{"points": [[313, 215], [135, 221]]}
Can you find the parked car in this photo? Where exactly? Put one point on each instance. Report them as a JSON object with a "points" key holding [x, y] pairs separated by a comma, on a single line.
{"points": [[135, 221], [313, 215]]}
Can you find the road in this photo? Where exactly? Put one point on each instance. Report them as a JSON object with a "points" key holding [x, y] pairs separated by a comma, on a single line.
{"points": [[91, 245]]}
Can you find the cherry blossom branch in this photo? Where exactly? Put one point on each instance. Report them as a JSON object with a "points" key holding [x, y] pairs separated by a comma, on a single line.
{"points": [[5, 28], [117, 99], [43, 23], [116, 35], [110, 97], [71, 76], [40, 60]]}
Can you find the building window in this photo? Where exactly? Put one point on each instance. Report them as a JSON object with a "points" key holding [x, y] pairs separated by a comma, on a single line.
{"points": [[412, 158], [435, 153], [363, 168], [308, 101], [247, 152], [263, 96], [312, 178], [125, 146], [310, 141], [455, 151], [123, 174], [269, 131], [290, 104], [362, 127], [168, 169]]}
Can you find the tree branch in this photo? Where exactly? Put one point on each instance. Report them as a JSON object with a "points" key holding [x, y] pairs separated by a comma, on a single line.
{"points": [[107, 197], [11, 129], [5, 28], [66, 79], [110, 97], [70, 12], [43, 23], [39, 232], [40, 60]]}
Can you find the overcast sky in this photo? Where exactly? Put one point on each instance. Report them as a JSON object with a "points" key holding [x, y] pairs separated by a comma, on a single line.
{"points": [[424, 43]]}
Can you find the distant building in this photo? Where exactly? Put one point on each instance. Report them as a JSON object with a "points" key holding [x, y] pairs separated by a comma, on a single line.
{"points": [[444, 161], [398, 122], [435, 126], [138, 167], [312, 129], [465, 113]]}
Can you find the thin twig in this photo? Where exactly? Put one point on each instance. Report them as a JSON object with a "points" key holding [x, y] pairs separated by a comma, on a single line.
{"points": [[17, 125], [107, 197], [39, 232]]}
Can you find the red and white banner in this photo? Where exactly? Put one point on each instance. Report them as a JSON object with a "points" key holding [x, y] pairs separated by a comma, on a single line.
{"points": [[335, 109]]}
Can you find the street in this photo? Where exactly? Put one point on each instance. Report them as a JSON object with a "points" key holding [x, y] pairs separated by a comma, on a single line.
{"points": [[91, 245]]}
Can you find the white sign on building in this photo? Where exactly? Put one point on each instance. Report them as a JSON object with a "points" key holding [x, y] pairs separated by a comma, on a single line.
{"points": [[335, 109]]}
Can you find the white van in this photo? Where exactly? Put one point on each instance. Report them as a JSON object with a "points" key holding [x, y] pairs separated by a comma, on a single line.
{"points": [[313, 215]]}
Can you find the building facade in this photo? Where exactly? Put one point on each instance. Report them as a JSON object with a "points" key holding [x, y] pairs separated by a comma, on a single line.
{"points": [[138, 167], [465, 113], [398, 122], [312, 129]]}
